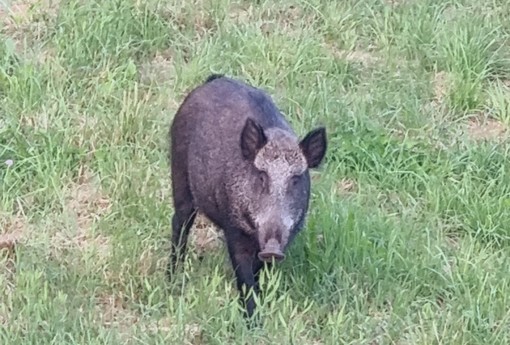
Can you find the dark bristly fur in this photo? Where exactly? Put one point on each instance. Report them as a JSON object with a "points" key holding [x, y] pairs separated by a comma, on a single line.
{"points": [[237, 160], [212, 77]]}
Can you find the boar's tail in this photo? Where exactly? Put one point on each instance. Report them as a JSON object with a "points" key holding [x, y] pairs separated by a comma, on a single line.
{"points": [[212, 77]]}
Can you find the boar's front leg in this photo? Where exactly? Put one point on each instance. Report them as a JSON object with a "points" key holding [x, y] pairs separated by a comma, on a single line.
{"points": [[246, 265]]}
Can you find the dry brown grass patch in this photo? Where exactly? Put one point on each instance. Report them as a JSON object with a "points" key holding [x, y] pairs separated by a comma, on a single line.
{"points": [[240, 14], [205, 236], [13, 231], [85, 205], [487, 129], [160, 69], [395, 3], [289, 19], [111, 312], [363, 57], [442, 82], [25, 19], [191, 14], [193, 333], [293, 17], [346, 186], [14, 14]]}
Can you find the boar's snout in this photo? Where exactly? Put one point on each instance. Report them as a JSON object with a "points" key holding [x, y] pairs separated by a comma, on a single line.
{"points": [[272, 250]]}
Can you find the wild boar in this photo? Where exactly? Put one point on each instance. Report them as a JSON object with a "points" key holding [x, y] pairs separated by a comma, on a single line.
{"points": [[236, 159]]}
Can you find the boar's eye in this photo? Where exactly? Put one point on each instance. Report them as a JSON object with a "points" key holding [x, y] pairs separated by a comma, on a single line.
{"points": [[262, 176], [295, 180]]}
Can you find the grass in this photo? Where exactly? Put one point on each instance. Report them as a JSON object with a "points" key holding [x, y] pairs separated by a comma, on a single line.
{"points": [[408, 236]]}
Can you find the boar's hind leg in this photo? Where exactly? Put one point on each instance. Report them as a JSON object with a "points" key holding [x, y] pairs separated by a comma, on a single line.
{"points": [[246, 266], [182, 221]]}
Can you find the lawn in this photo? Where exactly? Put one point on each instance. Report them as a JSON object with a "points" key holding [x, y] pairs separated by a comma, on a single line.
{"points": [[408, 236]]}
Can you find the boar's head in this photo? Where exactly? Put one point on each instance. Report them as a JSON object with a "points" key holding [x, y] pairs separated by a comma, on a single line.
{"points": [[278, 184]]}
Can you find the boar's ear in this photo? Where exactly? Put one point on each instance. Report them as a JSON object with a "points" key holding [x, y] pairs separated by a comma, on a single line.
{"points": [[314, 146], [252, 139]]}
